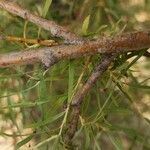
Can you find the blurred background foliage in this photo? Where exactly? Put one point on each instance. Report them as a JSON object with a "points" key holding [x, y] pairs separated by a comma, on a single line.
{"points": [[116, 112]]}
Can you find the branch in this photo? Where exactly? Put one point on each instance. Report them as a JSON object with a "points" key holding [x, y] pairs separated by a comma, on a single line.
{"points": [[49, 55], [28, 41], [55, 29], [81, 93]]}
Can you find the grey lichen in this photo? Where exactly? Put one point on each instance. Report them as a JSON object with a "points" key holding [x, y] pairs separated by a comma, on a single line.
{"points": [[48, 58]]}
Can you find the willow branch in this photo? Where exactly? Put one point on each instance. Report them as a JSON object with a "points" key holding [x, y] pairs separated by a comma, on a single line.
{"points": [[28, 41], [49, 55], [55, 29], [77, 47], [81, 93]]}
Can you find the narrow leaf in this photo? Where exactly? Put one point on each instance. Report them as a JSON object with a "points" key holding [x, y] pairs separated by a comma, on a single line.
{"points": [[24, 141], [85, 25]]}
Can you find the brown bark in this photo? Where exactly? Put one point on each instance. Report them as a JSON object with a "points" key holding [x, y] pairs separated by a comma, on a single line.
{"points": [[55, 29], [78, 97], [49, 55]]}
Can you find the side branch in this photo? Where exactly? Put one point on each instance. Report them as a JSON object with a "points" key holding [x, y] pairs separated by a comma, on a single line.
{"points": [[49, 55], [55, 29], [81, 93]]}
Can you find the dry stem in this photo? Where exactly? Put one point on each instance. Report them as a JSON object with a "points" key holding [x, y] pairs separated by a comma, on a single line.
{"points": [[28, 41]]}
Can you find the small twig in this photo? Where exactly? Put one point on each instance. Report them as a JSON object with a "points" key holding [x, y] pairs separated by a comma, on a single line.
{"points": [[55, 29], [78, 98], [28, 41]]}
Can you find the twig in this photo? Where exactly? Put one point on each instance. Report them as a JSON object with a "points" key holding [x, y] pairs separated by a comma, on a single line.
{"points": [[55, 29], [49, 55], [78, 98], [29, 41]]}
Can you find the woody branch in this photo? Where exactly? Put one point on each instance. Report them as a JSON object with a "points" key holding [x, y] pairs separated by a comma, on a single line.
{"points": [[49, 55], [77, 47], [55, 29], [77, 100]]}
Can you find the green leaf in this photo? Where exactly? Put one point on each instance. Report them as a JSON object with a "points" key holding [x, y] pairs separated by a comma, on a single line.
{"points": [[85, 25], [46, 7], [116, 142], [131, 133], [134, 61], [87, 137], [71, 80], [99, 114], [138, 86], [47, 121], [24, 141], [45, 11], [43, 94], [26, 104]]}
